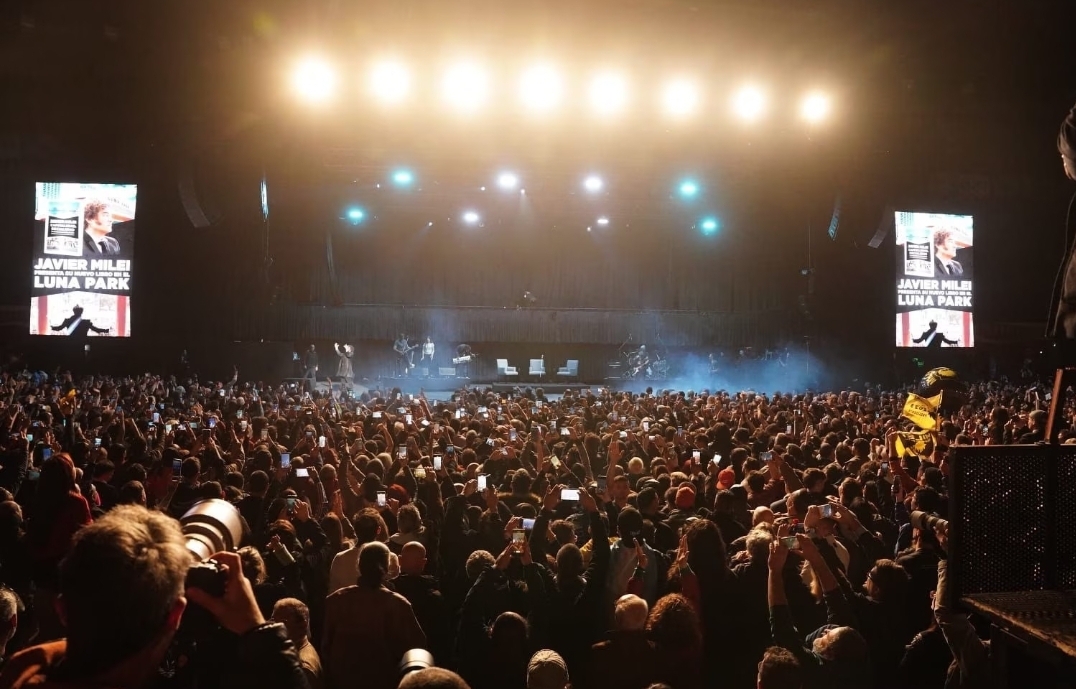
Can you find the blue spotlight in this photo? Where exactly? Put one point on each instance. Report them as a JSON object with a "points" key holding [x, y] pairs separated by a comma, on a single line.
{"points": [[403, 178], [355, 215], [689, 189], [709, 226]]}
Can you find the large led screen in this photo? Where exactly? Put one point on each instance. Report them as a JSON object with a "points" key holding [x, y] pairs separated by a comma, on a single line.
{"points": [[935, 268], [82, 258]]}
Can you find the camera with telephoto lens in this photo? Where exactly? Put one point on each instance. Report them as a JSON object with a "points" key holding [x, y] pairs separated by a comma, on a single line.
{"points": [[415, 660], [925, 521], [210, 526]]}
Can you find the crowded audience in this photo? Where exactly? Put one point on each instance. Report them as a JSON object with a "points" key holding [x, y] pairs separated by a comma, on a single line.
{"points": [[525, 541]]}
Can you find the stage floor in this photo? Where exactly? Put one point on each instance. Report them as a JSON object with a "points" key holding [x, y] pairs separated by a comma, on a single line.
{"points": [[442, 389]]}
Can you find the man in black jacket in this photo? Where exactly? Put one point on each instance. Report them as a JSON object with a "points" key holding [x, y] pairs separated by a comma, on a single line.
{"points": [[122, 599], [421, 591]]}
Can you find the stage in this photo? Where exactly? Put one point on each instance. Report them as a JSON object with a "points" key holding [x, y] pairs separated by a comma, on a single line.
{"points": [[442, 388]]}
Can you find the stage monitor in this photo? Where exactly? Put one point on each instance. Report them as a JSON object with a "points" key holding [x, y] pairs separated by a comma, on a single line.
{"points": [[82, 258], [935, 265]]}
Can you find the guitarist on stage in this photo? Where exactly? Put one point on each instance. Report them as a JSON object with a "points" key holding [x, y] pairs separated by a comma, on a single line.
{"points": [[405, 352]]}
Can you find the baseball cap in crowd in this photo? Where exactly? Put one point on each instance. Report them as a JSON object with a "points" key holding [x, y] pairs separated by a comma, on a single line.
{"points": [[685, 497], [726, 478], [547, 670]]}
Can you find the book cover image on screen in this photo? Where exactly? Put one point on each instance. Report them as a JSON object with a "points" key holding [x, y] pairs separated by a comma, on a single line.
{"points": [[935, 265], [83, 255]]}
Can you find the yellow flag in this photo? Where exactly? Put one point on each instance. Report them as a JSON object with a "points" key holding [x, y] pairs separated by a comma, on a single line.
{"points": [[912, 443], [921, 410]]}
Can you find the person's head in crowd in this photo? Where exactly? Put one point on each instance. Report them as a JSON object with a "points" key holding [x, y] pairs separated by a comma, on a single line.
{"points": [[685, 498], [1036, 420], [253, 564], [295, 616], [563, 532], [509, 633], [620, 489], [706, 551], [369, 527], [408, 520], [10, 521], [433, 678], [210, 490], [762, 515], [674, 624], [849, 490], [413, 559], [234, 479], [756, 481], [373, 565], [132, 493], [521, 482], [131, 555], [647, 501], [158, 481], [932, 477], [861, 448], [926, 499], [9, 619], [636, 467], [839, 645], [103, 471], [834, 473], [334, 532], [758, 545], [724, 502], [190, 470], [477, 562], [726, 478], [630, 613], [629, 523], [569, 565], [814, 480], [779, 669], [887, 582], [797, 502], [547, 670]]}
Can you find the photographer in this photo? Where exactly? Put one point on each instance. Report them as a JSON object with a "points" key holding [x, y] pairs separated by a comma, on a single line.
{"points": [[122, 598]]}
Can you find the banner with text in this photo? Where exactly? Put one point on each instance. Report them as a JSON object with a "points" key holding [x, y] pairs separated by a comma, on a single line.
{"points": [[935, 265], [82, 259]]}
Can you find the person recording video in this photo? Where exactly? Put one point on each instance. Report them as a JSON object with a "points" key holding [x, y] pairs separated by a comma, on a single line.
{"points": [[122, 599]]}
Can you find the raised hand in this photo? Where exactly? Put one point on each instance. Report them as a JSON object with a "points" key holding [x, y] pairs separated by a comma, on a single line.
{"points": [[552, 497], [778, 556]]}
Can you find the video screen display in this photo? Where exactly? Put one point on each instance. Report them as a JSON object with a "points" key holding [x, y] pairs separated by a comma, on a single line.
{"points": [[82, 259], [935, 268]]}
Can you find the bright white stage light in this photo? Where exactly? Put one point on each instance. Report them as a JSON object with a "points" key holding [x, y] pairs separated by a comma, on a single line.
{"points": [[507, 180], [603, 220], [688, 189], [608, 93], [541, 88], [681, 98], [750, 103], [314, 80], [403, 178], [465, 87], [815, 107], [593, 184], [470, 217], [390, 82]]}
